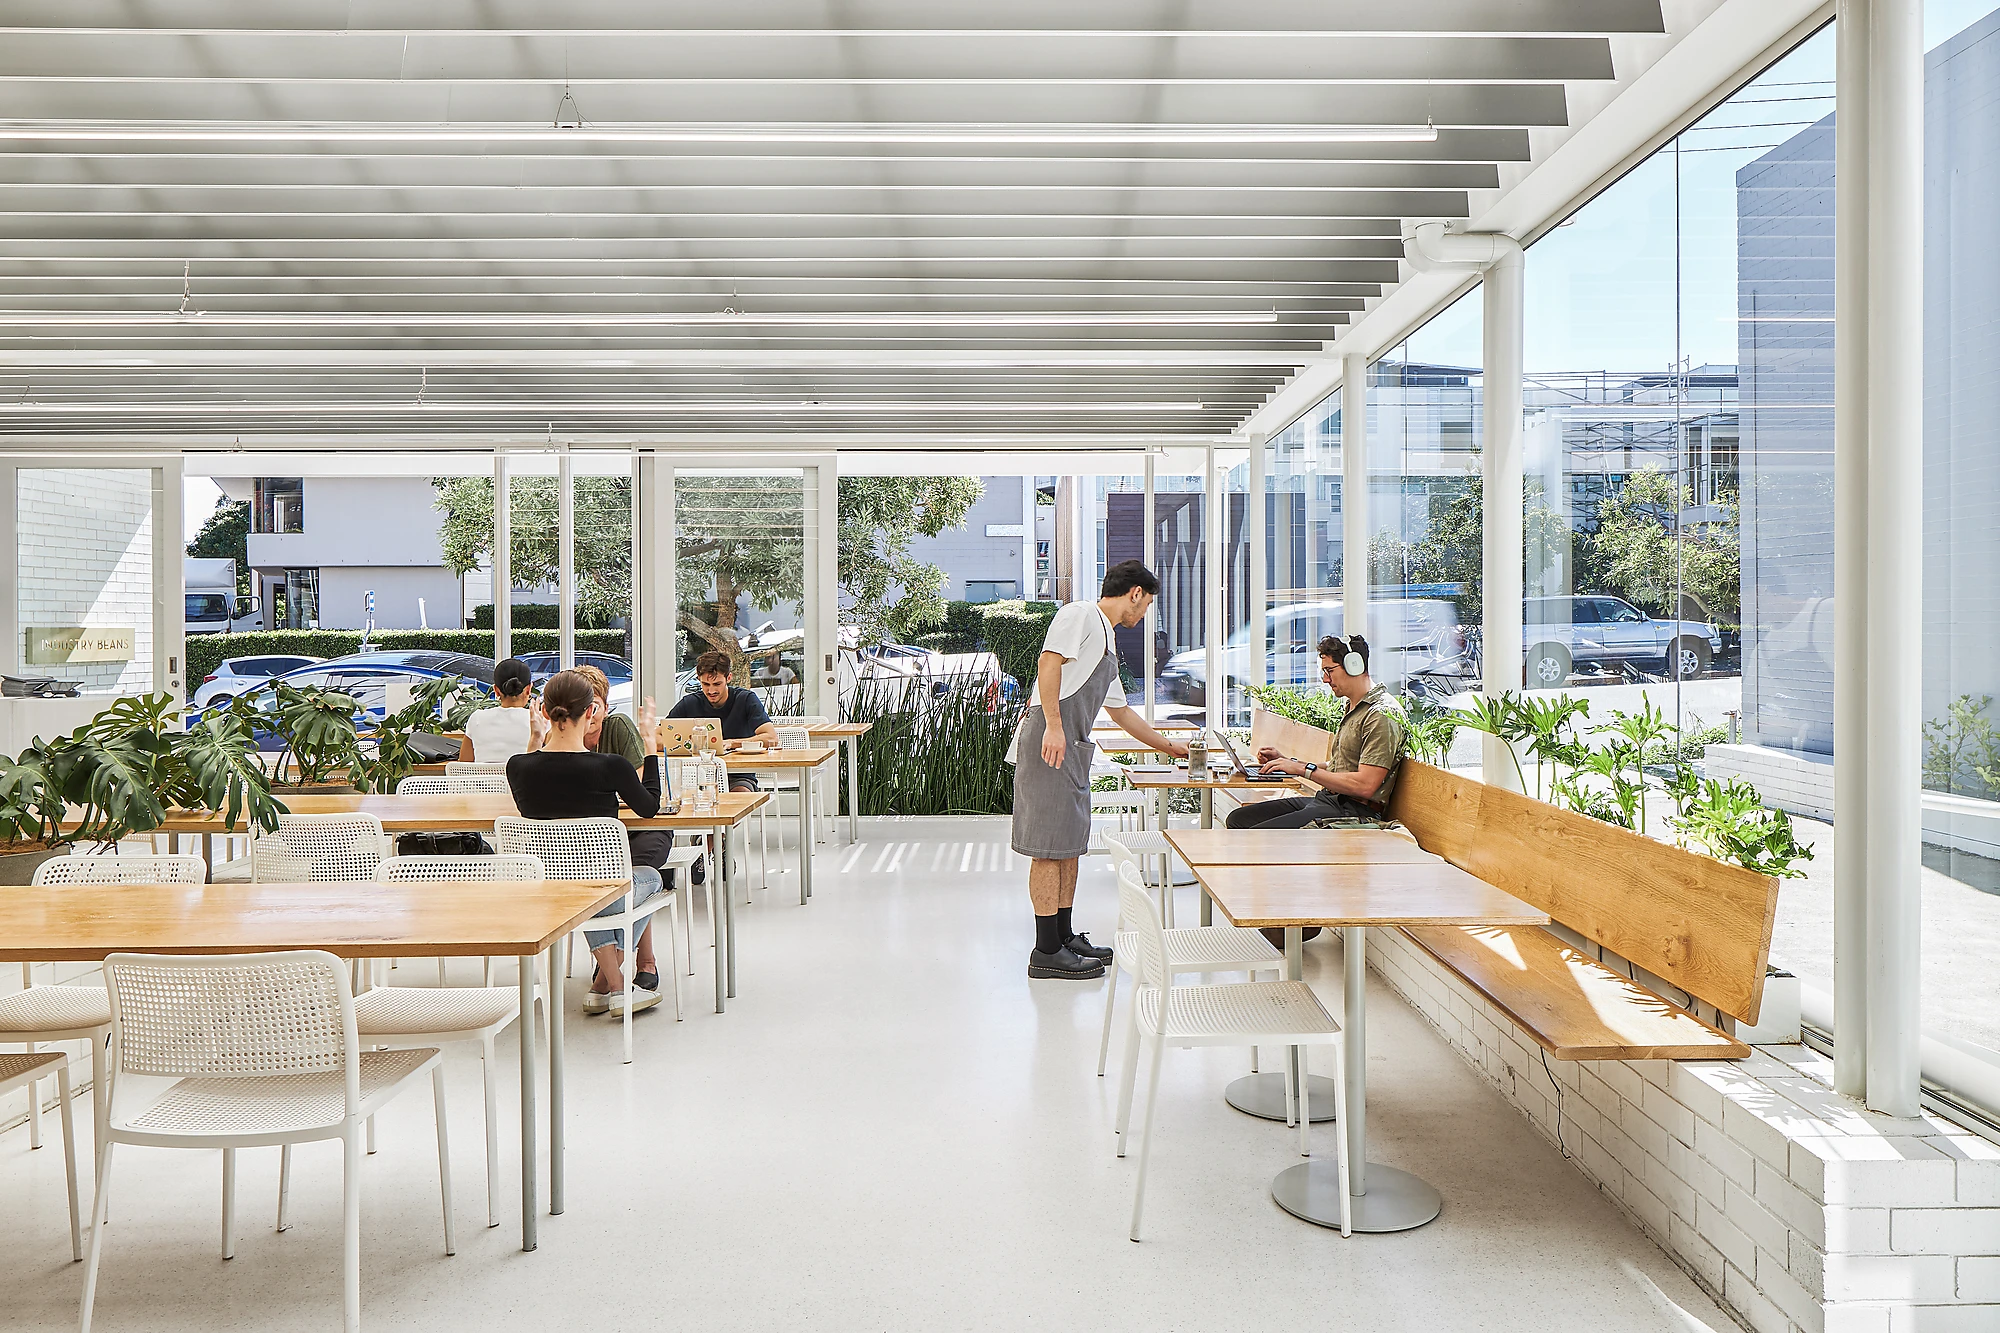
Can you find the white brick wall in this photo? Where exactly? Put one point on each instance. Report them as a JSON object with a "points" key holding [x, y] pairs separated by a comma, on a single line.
{"points": [[86, 558], [1805, 787], [1797, 1209]]}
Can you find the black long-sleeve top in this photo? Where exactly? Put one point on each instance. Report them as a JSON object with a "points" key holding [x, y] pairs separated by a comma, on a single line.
{"points": [[565, 784]]}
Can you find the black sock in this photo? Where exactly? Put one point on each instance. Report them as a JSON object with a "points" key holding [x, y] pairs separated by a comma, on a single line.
{"points": [[1063, 930], [1046, 938]]}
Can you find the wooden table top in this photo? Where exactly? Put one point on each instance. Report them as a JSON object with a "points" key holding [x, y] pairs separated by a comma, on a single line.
{"points": [[839, 729], [458, 918], [1295, 847], [469, 810], [775, 760], [1230, 781], [1433, 894]]}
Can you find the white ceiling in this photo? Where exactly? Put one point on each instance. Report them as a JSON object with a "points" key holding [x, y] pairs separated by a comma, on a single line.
{"points": [[1095, 220]]}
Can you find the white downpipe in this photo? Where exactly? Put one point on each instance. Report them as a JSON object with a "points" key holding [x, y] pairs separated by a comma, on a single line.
{"points": [[1216, 611], [1355, 573], [1848, 1018], [503, 560], [565, 559], [1151, 627], [1894, 802], [1429, 246]]}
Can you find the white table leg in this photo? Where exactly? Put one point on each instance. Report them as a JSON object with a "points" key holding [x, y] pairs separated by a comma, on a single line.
{"points": [[556, 1089], [1208, 821], [1384, 1198], [852, 745], [728, 916], [525, 1026], [718, 908], [805, 836]]}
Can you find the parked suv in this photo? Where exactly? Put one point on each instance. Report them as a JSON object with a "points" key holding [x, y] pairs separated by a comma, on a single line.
{"points": [[1406, 634], [1563, 633]]}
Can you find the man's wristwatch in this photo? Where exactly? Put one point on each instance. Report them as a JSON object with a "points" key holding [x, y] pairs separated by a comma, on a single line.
{"points": [[1311, 769]]}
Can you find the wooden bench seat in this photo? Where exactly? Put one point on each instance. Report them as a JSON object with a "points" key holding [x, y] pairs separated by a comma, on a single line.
{"points": [[1573, 1006], [1698, 925]]}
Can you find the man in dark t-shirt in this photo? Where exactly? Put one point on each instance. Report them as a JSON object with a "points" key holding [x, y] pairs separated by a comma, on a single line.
{"points": [[740, 711]]}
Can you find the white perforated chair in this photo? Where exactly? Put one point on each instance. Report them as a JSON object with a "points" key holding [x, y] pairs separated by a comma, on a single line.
{"points": [[468, 768], [415, 1016], [804, 723], [469, 784], [263, 1051], [35, 1015], [342, 848], [595, 849], [1242, 1013], [27, 1071], [1193, 950]]}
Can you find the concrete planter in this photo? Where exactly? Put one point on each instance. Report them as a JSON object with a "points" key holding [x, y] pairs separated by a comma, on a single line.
{"points": [[18, 866]]}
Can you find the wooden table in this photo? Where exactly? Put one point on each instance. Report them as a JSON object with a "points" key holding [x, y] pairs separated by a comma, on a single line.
{"points": [[1354, 896], [802, 762], [1294, 847], [1161, 784], [848, 735], [478, 810], [460, 918]]}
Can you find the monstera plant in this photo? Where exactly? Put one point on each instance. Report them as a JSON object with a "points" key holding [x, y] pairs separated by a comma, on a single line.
{"points": [[119, 773]]}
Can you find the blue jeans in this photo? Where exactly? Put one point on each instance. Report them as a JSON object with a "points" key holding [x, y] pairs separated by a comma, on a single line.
{"points": [[645, 883]]}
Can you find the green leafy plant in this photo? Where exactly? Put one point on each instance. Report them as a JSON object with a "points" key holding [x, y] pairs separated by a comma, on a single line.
{"points": [[1499, 717], [117, 775], [1962, 749], [933, 752], [1015, 632], [315, 727], [1729, 821], [432, 706], [1430, 728], [1315, 708]]}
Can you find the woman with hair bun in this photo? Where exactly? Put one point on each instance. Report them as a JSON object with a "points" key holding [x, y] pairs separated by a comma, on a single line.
{"points": [[565, 780], [498, 734]]}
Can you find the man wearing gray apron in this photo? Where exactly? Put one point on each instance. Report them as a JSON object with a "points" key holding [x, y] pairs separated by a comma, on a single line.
{"points": [[1076, 675]]}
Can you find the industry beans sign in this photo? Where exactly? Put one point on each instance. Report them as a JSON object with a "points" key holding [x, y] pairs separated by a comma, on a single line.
{"points": [[60, 645]]}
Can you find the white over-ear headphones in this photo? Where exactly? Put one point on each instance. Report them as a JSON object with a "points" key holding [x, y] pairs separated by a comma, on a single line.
{"points": [[1352, 662]]}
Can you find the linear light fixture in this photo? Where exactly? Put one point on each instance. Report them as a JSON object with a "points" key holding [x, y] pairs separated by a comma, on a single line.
{"points": [[746, 132], [683, 407], [546, 319]]}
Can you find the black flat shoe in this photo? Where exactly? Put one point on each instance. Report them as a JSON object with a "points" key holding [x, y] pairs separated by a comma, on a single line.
{"points": [[1080, 945], [647, 981], [698, 872], [1063, 965]]}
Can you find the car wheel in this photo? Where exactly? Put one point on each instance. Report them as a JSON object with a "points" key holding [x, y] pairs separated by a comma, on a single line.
{"points": [[1689, 660], [1548, 666]]}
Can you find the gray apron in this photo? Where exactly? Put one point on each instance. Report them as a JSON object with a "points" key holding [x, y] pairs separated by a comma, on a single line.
{"points": [[1052, 805]]}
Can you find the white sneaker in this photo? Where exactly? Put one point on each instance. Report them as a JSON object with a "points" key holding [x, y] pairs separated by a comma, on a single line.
{"points": [[638, 999], [595, 1002]]}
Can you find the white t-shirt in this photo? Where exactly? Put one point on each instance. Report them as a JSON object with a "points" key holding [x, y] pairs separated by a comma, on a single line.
{"points": [[497, 734], [1082, 633]]}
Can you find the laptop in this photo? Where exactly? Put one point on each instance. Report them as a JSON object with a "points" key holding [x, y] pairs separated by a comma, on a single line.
{"points": [[1248, 772], [681, 736]]}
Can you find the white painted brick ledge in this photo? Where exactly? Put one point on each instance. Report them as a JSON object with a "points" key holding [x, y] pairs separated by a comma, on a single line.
{"points": [[1797, 1209]]}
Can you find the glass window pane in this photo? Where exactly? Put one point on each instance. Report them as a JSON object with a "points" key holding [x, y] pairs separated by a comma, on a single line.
{"points": [[740, 572]]}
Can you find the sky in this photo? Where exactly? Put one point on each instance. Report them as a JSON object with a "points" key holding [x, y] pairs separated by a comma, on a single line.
{"points": [[1601, 287]]}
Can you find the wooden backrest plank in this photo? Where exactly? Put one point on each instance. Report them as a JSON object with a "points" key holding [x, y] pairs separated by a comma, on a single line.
{"points": [[1690, 920], [1298, 740]]}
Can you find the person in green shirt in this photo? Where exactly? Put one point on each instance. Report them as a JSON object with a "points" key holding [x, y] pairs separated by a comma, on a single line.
{"points": [[615, 733]]}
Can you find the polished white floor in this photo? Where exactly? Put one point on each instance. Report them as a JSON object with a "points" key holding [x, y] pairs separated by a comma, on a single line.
{"points": [[892, 1128]]}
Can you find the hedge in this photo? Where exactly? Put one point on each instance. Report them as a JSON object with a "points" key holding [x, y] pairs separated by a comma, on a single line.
{"points": [[529, 615], [1014, 634], [206, 651]]}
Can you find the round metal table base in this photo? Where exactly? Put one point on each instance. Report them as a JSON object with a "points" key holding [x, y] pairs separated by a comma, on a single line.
{"points": [[1395, 1201], [1263, 1095]]}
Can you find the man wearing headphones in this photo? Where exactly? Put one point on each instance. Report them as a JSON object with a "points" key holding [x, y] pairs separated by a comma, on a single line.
{"points": [[1356, 780]]}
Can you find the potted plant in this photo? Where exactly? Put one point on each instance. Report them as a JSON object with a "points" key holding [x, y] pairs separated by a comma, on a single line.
{"points": [[118, 775], [446, 702], [320, 747]]}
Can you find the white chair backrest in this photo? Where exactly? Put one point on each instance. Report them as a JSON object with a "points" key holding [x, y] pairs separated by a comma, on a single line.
{"points": [[401, 869], [568, 848], [466, 768], [423, 784], [794, 738], [1135, 914], [336, 848], [465, 784], [241, 1016], [803, 720], [118, 869], [1121, 855]]}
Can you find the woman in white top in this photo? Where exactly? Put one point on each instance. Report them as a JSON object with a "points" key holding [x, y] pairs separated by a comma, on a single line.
{"points": [[498, 734]]}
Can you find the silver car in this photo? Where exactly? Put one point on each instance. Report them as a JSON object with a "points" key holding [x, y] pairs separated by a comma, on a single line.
{"points": [[1561, 634]]}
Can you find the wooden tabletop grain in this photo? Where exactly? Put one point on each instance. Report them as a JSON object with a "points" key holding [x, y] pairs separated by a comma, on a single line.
{"points": [[837, 730], [1431, 894], [777, 760], [1227, 781], [470, 810], [1295, 847], [461, 918]]}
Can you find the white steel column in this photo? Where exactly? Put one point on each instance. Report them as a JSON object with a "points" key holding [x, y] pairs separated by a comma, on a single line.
{"points": [[1151, 628], [1501, 461], [1850, 553], [565, 559], [13, 644], [1355, 524], [503, 559], [1254, 502], [652, 579], [1027, 539], [170, 579], [1215, 569], [822, 581], [1895, 331]]}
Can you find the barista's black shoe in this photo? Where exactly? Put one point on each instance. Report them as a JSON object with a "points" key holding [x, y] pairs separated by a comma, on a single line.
{"points": [[1080, 945], [1063, 965], [1277, 936]]}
